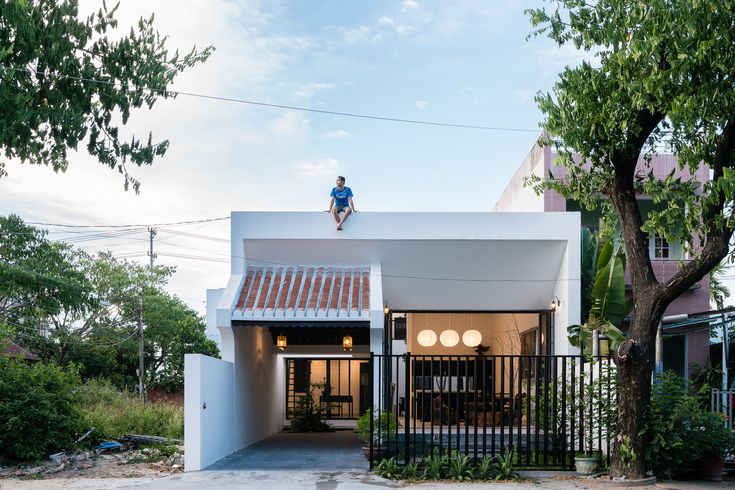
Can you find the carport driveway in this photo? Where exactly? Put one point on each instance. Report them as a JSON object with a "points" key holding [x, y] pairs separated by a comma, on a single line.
{"points": [[340, 450]]}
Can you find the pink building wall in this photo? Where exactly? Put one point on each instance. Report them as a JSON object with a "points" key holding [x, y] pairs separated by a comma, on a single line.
{"points": [[540, 162]]}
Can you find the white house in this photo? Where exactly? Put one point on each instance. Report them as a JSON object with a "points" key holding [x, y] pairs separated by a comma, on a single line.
{"points": [[382, 281]]}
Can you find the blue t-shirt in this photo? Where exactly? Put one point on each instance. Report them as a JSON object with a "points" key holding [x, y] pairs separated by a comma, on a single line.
{"points": [[341, 197]]}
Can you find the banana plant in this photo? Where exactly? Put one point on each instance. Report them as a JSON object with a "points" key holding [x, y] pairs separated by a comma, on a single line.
{"points": [[603, 292]]}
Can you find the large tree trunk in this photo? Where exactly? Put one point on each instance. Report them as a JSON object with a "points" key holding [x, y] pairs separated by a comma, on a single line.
{"points": [[635, 369]]}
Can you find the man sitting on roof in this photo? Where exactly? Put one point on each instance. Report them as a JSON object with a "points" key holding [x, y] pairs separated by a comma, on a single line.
{"points": [[341, 202]]}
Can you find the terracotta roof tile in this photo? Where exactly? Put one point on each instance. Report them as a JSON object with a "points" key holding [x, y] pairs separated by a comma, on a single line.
{"points": [[275, 292]]}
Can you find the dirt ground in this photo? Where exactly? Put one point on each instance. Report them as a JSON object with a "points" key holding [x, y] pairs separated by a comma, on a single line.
{"points": [[90, 470]]}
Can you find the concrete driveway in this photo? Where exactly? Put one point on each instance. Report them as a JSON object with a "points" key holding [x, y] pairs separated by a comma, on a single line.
{"points": [[340, 450]]}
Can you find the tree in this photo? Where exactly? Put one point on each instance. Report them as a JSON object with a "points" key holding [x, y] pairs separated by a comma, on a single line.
{"points": [[663, 78], [38, 279], [65, 82], [172, 330]]}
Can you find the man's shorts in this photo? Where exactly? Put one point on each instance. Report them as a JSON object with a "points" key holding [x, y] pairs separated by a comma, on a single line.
{"points": [[341, 209]]}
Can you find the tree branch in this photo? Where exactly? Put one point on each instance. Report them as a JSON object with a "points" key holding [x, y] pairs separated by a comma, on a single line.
{"points": [[717, 240]]}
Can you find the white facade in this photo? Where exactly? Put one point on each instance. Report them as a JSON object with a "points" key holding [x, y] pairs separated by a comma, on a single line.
{"points": [[417, 261]]}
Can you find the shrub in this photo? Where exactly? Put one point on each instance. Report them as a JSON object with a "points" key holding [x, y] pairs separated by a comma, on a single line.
{"points": [[310, 416], [115, 413], [383, 423], [388, 468], [436, 465], [38, 414], [681, 430]]}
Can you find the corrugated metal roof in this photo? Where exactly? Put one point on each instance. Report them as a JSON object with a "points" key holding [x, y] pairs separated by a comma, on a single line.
{"points": [[321, 293]]}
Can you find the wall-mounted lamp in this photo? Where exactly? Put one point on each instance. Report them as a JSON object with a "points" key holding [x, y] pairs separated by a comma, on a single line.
{"points": [[281, 343], [347, 343], [386, 310], [555, 303]]}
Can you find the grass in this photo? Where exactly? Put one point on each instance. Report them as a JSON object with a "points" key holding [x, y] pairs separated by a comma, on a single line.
{"points": [[115, 413]]}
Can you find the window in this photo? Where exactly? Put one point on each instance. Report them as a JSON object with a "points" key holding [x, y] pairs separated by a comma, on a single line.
{"points": [[658, 247]]}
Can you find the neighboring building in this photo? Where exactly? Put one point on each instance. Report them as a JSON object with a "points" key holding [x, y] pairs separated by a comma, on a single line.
{"points": [[8, 348], [305, 303], [686, 347]]}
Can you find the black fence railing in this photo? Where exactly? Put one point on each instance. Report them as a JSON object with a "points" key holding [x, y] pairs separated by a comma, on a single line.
{"points": [[544, 409]]}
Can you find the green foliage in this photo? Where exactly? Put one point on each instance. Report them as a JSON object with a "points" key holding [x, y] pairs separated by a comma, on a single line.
{"points": [[603, 292], [310, 416], [173, 330], [661, 80], [38, 412], [410, 471], [435, 465], [460, 467], [681, 430], [627, 452], [388, 468], [383, 423], [504, 468], [486, 468], [66, 83], [115, 413], [38, 277], [90, 305]]}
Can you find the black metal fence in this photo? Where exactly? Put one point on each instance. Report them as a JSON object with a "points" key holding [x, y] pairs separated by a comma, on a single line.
{"points": [[543, 409]]}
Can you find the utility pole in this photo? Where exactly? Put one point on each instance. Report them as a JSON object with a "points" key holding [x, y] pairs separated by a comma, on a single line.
{"points": [[141, 343]]}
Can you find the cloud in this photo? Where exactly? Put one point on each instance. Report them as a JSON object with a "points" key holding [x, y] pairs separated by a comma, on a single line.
{"points": [[338, 134], [421, 104], [409, 5], [386, 21], [522, 94], [290, 123], [321, 167], [310, 89]]}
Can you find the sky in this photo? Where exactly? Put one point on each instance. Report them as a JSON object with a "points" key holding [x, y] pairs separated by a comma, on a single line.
{"points": [[462, 62]]}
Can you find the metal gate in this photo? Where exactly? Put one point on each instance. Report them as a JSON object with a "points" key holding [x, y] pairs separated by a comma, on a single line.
{"points": [[543, 409]]}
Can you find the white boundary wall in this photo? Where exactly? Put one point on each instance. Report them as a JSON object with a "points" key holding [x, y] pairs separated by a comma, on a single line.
{"points": [[208, 410]]}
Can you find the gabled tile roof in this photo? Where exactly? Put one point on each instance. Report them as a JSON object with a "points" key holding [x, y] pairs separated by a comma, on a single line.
{"points": [[302, 292], [11, 349]]}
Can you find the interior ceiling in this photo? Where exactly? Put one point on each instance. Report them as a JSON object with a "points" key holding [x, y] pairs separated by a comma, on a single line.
{"points": [[484, 275], [321, 335]]}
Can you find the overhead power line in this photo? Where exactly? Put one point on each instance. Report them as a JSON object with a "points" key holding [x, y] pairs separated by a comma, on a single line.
{"points": [[138, 225], [282, 106]]}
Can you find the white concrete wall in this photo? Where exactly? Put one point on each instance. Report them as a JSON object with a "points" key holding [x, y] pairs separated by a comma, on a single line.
{"points": [[213, 297], [517, 196], [568, 290], [208, 410], [255, 397]]}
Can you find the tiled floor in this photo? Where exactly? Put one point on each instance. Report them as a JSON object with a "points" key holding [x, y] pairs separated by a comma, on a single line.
{"points": [[340, 450]]}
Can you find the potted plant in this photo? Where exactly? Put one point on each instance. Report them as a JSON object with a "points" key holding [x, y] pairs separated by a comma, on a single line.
{"points": [[714, 440], [384, 428], [308, 415]]}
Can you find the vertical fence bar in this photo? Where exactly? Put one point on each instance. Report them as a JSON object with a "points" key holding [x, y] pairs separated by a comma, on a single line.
{"points": [[475, 375], [529, 413], [582, 421], [493, 387], [371, 387], [502, 401], [545, 377], [407, 410], [394, 396], [563, 439], [512, 406], [440, 406], [555, 410], [537, 376], [573, 411]]}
